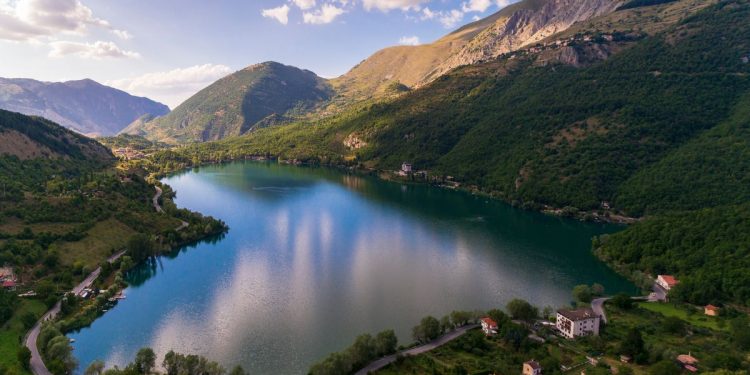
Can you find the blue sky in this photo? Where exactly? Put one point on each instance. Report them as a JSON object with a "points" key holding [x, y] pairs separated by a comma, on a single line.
{"points": [[169, 49]]}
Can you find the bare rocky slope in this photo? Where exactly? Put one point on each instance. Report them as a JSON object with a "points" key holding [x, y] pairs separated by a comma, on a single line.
{"points": [[521, 24], [84, 106]]}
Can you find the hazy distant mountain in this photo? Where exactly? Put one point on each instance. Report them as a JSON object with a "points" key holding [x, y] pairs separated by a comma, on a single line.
{"points": [[84, 106], [256, 96]]}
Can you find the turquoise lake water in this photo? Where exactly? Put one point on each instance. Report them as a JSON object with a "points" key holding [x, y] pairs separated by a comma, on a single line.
{"points": [[315, 257]]}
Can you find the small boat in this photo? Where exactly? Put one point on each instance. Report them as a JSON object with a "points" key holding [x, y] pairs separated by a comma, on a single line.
{"points": [[72, 340]]}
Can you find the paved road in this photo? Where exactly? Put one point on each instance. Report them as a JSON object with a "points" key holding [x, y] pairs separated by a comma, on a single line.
{"points": [[382, 362], [598, 306], [37, 364], [155, 200], [157, 207]]}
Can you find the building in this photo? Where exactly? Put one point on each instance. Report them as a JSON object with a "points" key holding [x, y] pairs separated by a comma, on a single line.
{"points": [[576, 323], [532, 368], [9, 285], [489, 326], [688, 362], [406, 167], [711, 310], [667, 281]]}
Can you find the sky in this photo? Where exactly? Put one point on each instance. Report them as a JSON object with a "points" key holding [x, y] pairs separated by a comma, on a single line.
{"points": [[169, 49]]}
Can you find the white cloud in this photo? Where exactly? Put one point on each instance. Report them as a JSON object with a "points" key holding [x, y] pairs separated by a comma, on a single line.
{"points": [[123, 34], [409, 40], [482, 5], [386, 5], [280, 14], [96, 50], [25, 20], [174, 86], [326, 14], [428, 14], [304, 4], [476, 5], [450, 19]]}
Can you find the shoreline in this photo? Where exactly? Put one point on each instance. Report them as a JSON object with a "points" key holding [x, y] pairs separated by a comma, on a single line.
{"points": [[380, 174]]}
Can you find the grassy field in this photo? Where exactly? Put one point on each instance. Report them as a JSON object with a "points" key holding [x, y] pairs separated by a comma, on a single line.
{"points": [[98, 244], [12, 333], [697, 319]]}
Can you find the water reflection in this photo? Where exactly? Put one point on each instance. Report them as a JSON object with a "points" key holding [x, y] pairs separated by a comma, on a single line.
{"points": [[303, 270]]}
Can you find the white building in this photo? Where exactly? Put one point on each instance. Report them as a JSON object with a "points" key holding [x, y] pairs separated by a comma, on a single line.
{"points": [[489, 326], [576, 323], [666, 281]]}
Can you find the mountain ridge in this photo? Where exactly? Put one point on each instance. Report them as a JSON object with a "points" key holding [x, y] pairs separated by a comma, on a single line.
{"points": [[256, 96], [85, 106]]}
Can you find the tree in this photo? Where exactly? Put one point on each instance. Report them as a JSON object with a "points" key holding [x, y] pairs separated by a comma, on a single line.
{"points": [[385, 343], [140, 247], [664, 367], [597, 289], [520, 309], [632, 345], [582, 293], [95, 368], [145, 361], [428, 329], [622, 301], [237, 370], [24, 357]]}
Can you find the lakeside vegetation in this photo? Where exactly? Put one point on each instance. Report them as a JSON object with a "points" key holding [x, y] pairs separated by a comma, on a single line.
{"points": [[66, 209], [651, 334]]}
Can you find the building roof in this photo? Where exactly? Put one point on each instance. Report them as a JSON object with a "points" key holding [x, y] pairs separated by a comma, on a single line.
{"points": [[578, 314], [669, 279], [533, 364], [712, 307], [687, 359], [488, 321], [8, 284]]}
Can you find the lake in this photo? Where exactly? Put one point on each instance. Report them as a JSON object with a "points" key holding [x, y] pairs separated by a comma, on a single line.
{"points": [[315, 257]]}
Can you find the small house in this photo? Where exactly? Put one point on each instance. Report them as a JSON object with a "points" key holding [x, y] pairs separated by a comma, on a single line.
{"points": [[711, 310], [667, 281], [688, 362], [625, 358], [406, 167], [9, 285], [489, 326], [532, 367]]}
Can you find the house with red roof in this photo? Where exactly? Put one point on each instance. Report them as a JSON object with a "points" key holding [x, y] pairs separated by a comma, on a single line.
{"points": [[489, 326], [9, 285], [711, 310], [532, 368], [667, 281]]}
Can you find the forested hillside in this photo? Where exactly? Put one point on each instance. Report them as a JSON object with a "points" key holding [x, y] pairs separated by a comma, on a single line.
{"points": [[649, 123], [65, 208], [257, 96]]}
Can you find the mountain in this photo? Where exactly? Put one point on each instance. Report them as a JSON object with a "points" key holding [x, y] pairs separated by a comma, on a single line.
{"points": [[518, 25], [27, 137], [254, 97], [641, 112], [573, 123], [84, 106]]}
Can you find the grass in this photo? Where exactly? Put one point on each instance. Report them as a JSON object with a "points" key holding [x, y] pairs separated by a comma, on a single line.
{"points": [[697, 319], [98, 243], [13, 225], [12, 333]]}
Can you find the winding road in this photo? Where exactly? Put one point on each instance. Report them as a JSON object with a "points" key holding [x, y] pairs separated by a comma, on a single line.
{"points": [[440, 341], [36, 362]]}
